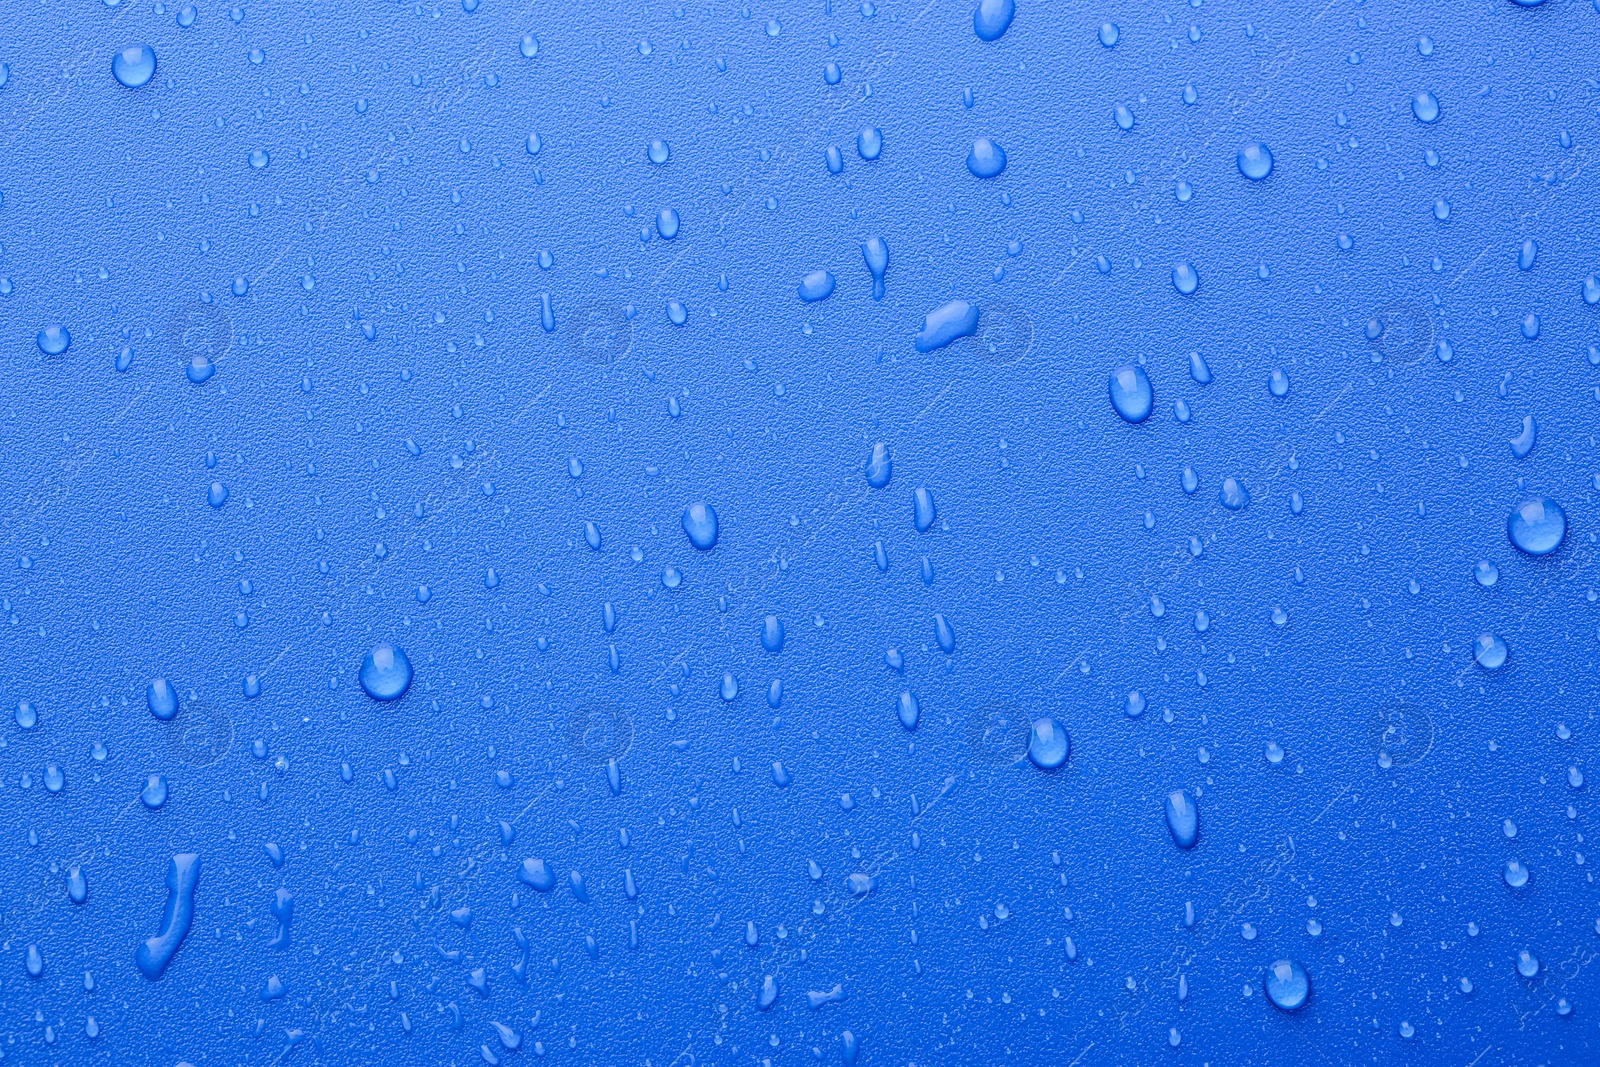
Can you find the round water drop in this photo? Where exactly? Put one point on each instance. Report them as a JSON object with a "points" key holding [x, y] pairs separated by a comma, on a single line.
{"points": [[200, 369], [1109, 34], [27, 715], [1124, 116], [1136, 704], [186, 15], [1490, 651], [1184, 278], [1516, 874], [154, 793], [658, 151], [818, 285], [1527, 964], [700, 524], [1278, 382], [1048, 744], [880, 465], [667, 223], [259, 158], [992, 18], [53, 340], [217, 494], [1255, 160], [1233, 495], [986, 159], [161, 698], [1287, 985], [869, 142], [529, 46], [385, 672], [1425, 106], [134, 66], [1131, 394], [1183, 818], [1538, 526], [1485, 573]]}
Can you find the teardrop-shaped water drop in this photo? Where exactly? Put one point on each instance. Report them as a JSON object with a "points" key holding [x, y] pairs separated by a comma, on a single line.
{"points": [[1183, 818]]}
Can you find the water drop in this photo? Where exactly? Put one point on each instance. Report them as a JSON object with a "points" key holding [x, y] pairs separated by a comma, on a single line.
{"points": [[134, 66], [1516, 874], [1490, 651], [154, 793], [1254, 160], [869, 142], [1135, 705], [1131, 393], [1184, 278], [909, 710], [876, 254], [1048, 744], [385, 672], [53, 340], [1183, 818], [986, 159], [992, 18], [1425, 106], [880, 465], [1287, 985], [700, 524], [1233, 495], [1527, 253], [1537, 526], [923, 510], [946, 323], [818, 285], [161, 699]]}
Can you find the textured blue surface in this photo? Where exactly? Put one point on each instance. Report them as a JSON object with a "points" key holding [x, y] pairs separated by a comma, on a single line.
{"points": [[417, 325]]}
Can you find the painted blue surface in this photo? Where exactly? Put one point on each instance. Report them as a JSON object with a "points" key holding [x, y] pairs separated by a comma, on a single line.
{"points": [[473, 329]]}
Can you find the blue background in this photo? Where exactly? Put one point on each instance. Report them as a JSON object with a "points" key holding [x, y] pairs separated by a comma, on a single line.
{"points": [[401, 196]]}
